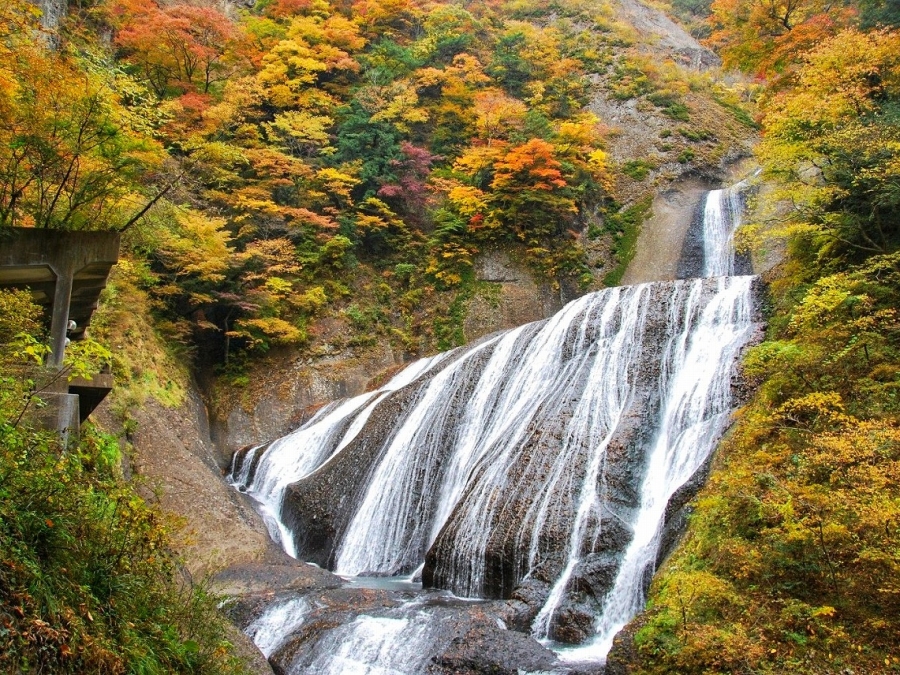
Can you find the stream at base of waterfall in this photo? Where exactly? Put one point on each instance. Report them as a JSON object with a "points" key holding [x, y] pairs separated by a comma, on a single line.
{"points": [[502, 507]]}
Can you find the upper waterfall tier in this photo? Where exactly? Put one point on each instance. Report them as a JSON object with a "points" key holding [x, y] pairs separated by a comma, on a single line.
{"points": [[523, 458], [708, 249]]}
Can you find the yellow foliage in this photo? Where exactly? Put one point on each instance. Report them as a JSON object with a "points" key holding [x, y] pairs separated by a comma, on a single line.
{"points": [[477, 158], [198, 246], [497, 114], [468, 199], [272, 330]]}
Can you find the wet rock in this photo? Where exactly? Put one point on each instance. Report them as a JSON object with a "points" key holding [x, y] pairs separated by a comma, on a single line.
{"points": [[318, 509], [595, 575], [510, 532], [245, 462], [573, 622], [692, 260], [520, 611], [592, 579], [514, 546], [242, 580], [623, 657], [486, 648], [678, 509]]}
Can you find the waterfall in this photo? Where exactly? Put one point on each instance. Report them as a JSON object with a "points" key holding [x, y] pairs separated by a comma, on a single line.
{"points": [[270, 630], [698, 403], [547, 456], [293, 457], [721, 217], [372, 645]]}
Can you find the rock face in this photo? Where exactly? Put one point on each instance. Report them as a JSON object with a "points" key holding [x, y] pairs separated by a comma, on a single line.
{"points": [[319, 512], [662, 236], [295, 387], [52, 12], [177, 463], [506, 296], [665, 35]]}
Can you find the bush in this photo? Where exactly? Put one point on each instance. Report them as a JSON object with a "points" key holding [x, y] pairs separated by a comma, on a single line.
{"points": [[88, 583]]}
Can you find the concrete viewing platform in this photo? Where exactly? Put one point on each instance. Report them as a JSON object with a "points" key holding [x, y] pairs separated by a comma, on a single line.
{"points": [[65, 273]]}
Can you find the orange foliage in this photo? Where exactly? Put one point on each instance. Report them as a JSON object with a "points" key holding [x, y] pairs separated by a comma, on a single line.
{"points": [[532, 165], [180, 46], [767, 37]]}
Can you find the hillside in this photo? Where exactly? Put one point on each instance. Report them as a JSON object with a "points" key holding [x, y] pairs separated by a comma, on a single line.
{"points": [[312, 195]]}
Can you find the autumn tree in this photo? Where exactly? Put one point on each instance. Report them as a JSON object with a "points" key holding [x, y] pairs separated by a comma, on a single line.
{"points": [[388, 18], [66, 159], [449, 95], [834, 143], [313, 65], [177, 47], [530, 194], [765, 37], [410, 189]]}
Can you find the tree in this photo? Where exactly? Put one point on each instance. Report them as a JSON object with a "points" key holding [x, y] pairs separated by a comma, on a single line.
{"points": [[498, 115], [376, 144], [410, 189], [766, 37], [388, 18], [313, 65], [66, 161], [531, 196], [178, 47], [449, 32], [874, 13], [834, 142]]}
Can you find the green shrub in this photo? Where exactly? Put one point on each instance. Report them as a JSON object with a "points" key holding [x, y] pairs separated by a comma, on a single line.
{"points": [[88, 583], [637, 169], [625, 226]]}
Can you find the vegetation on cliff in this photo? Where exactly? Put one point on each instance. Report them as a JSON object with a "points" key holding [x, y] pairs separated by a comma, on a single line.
{"points": [[280, 168], [791, 563], [88, 579]]}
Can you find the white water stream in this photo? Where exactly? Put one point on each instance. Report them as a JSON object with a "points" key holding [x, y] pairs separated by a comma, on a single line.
{"points": [[512, 445], [371, 645], [722, 216]]}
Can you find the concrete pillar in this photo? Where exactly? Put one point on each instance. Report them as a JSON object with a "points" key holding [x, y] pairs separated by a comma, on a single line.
{"points": [[60, 320]]}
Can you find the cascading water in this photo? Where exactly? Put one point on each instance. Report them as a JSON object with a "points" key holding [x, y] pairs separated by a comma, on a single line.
{"points": [[275, 624], [698, 404], [721, 217], [545, 457], [371, 645], [266, 471]]}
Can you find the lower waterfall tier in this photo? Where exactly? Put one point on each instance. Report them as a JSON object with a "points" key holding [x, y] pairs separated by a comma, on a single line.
{"points": [[527, 466]]}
